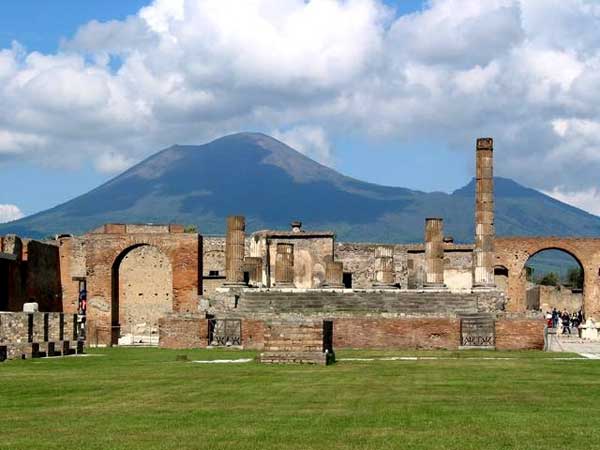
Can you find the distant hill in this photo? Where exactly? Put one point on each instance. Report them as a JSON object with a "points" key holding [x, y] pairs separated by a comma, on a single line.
{"points": [[271, 184]]}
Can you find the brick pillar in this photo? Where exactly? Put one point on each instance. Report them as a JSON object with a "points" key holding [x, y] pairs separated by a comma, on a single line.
{"points": [[334, 274], [434, 253], [483, 254], [284, 265], [253, 265], [384, 267], [234, 250]]}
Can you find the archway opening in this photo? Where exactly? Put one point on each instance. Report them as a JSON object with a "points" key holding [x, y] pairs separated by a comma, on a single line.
{"points": [[142, 285], [554, 279], [501, 278]]}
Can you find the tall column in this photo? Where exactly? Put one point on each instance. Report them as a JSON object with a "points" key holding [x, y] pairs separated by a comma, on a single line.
{"points": [[384, 267], [334, 274], [234, 251], [434, 253], [253, 266], [284, 265], [483, 254]]}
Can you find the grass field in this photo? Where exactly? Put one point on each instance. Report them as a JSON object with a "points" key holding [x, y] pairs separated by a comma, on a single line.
{"points": [[146, 399]]}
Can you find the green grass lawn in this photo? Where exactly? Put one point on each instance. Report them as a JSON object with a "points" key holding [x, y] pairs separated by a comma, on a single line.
{"points": [[146, 399]]}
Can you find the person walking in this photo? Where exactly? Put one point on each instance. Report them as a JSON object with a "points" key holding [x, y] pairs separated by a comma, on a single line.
{"points": [[566, 319]]}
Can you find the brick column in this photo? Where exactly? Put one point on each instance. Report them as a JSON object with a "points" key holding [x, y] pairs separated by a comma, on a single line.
{"points": [[284, 265], [434, 253], [334, 274], [483, 254], [234, 250], [253, 265], [384, 267]]}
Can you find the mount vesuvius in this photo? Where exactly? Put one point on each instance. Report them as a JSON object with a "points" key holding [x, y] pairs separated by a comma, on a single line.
{"points": [[272, 184]]}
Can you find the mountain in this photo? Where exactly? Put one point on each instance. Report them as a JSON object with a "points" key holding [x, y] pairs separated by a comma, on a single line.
{"points": [[271, 184]]}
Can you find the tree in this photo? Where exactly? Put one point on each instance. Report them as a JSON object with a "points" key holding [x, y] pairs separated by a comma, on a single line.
{"points": [[575, 278], [550, 279]]}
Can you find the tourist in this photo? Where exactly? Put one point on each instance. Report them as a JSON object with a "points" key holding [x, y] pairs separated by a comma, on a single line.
{"points": [[566, 319], [555, 315]]}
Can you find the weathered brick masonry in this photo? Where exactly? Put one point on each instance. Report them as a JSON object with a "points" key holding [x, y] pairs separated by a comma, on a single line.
{"points": [[106, 248], [183, 331]]}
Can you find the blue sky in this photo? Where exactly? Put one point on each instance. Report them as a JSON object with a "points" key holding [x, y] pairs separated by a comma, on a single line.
{"points": [[40, 26], [401, 103]]}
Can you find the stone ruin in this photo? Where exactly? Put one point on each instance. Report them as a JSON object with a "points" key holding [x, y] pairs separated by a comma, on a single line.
{"points": [[277, 291]]}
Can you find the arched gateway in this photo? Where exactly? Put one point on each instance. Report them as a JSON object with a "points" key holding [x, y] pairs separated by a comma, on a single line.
{"points": [[120, 295], [513, 253]]}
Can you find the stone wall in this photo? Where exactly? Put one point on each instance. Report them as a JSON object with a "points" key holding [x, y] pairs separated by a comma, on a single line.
{"points": [[72, 270], [27, 335], [183, 331], [145, 291], [29, 270], [43, 275], [409, 264], [544, 298], [403, 333], [520, 333]]}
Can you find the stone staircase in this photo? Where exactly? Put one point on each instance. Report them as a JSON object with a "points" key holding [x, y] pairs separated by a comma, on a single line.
{"points": [[401, 302]]}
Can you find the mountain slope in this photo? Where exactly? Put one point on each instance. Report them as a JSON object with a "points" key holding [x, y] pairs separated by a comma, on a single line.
{"points": [[272, 184]]}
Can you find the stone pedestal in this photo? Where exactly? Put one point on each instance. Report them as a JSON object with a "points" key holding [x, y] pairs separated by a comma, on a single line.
{"points": [[334, 275], [284, 265], [434, 254], [384, 267], [234, 251], [589, 330], [483, 254]]}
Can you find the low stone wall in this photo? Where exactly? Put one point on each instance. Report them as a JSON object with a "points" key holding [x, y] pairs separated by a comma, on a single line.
{"points": [[520, 333], [183, 331], [413, 333], [30, 335]]}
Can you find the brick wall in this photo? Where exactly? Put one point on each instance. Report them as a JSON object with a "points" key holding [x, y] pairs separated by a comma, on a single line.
{"points": [[183, 331], [413, 333], [520, 334], [253, 334]]}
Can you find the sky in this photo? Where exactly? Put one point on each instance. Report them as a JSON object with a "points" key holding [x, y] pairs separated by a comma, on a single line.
{"points": [[391, 92]]}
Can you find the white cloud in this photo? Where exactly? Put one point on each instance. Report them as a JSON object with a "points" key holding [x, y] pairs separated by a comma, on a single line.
{"points": [[9, 213], [310, 140], [182, 71], [113, 163], [588, 200]]}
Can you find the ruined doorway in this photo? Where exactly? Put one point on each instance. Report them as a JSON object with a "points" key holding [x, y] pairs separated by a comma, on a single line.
{"points": [[142, 285], [554, 279], [347, 280], [4, 278]]}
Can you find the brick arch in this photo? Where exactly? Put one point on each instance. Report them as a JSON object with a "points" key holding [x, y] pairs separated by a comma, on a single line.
{"points": [[513, 253], [104, 250]]}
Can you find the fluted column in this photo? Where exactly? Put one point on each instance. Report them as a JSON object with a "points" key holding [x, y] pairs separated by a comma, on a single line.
{"points": [[483, 254], [253, 266], [434, 253], [234, 250], [334, 274], [284, 265], [384, 267]]}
